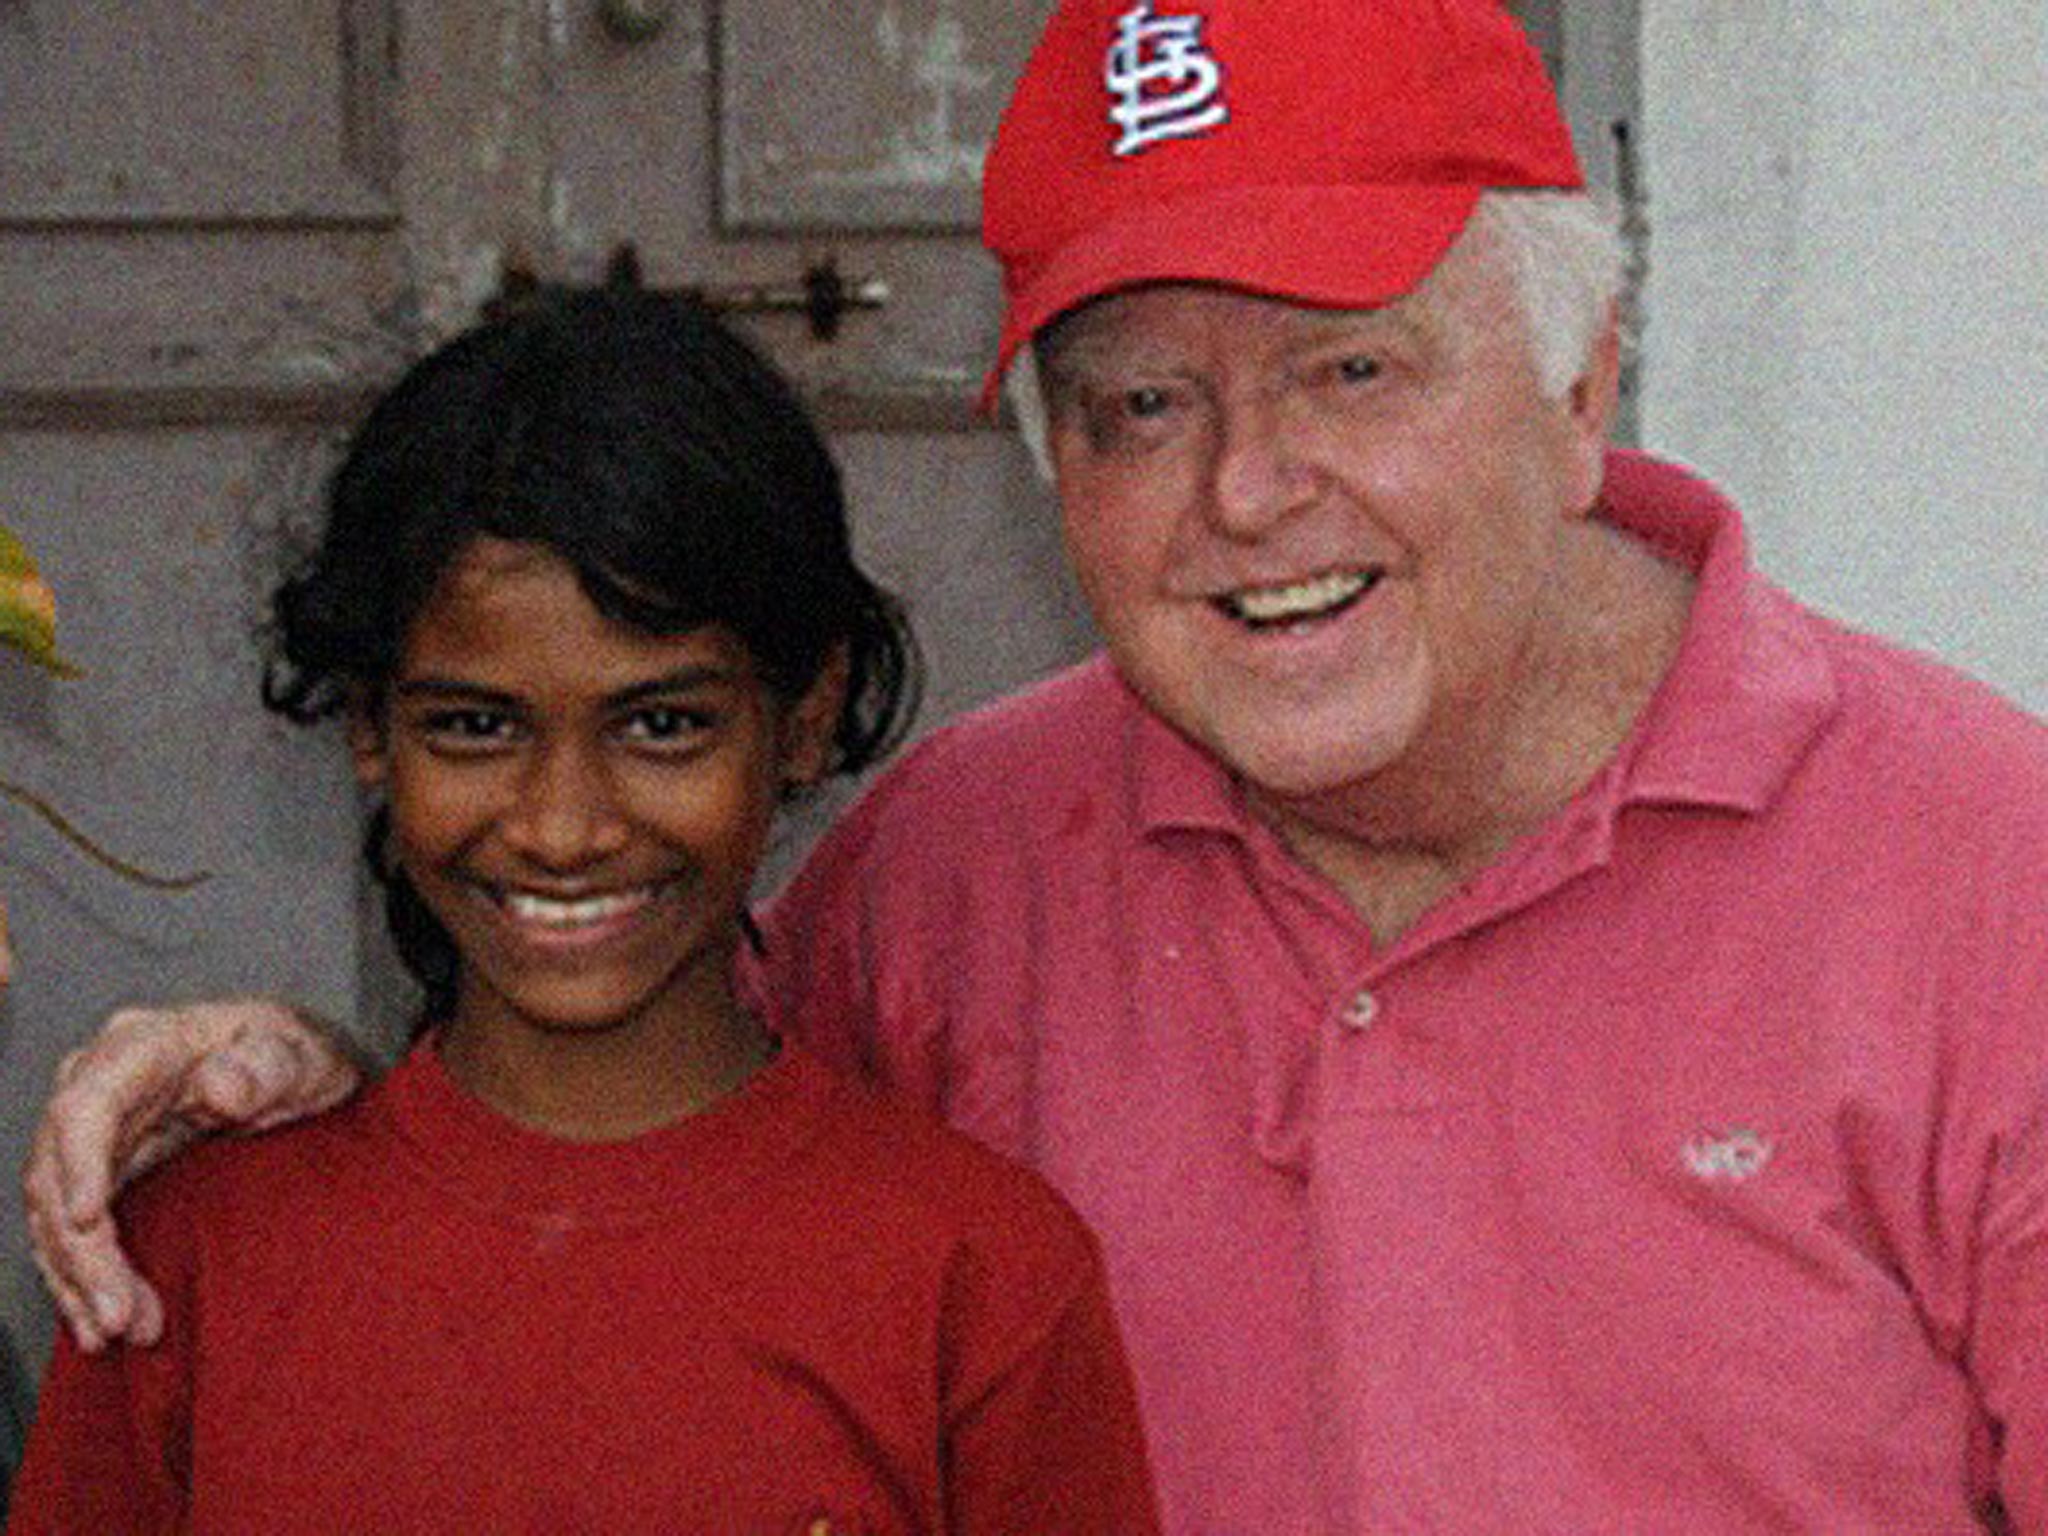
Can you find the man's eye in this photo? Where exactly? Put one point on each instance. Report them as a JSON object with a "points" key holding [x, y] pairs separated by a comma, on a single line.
{"points": [[1357, 368], [1123, 417]]}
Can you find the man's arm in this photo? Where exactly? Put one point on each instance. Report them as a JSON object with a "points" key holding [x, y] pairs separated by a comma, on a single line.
{"points": [[151, 1081], [2009, 1344]]}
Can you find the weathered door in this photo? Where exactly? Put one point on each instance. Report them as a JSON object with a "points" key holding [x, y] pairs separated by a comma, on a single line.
{"points": [[223, 221]]}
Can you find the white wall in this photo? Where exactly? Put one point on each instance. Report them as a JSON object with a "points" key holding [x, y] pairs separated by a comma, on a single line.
{"points": [[1846, 317]]}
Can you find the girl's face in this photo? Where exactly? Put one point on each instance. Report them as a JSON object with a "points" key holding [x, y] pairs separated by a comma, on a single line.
{"points": [[581, 804]]}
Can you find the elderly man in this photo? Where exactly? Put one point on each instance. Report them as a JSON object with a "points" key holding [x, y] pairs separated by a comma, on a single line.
{"points": [[1553, 1034]]}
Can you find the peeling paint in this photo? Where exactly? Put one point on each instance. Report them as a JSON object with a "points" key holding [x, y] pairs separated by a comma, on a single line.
{"points": [[476, 274], [493, 147], [313, 365], [522, 209], [454, 283], [578, 247], [931, 152]]}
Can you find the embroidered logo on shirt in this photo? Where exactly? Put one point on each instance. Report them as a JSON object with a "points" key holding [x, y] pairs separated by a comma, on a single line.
{"points": [[1735, 1156], [1163, 83]]}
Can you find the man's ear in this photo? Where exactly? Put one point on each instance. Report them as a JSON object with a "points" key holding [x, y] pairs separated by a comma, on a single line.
{"points": [[1590, 407], [809, 726], [369, 746]]}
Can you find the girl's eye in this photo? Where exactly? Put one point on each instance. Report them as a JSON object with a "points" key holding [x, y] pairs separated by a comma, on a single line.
{"points": [[466, 727], [668, 724]]}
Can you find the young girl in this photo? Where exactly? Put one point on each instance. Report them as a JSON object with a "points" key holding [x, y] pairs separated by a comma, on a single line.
{"points": [[601, 1254]]}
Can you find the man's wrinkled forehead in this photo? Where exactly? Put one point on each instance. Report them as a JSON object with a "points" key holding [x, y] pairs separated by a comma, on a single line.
{"points": [[1107, 337]]}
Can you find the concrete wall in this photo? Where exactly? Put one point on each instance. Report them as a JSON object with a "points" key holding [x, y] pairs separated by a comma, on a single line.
{"points": [[1846, 319], [159, 547]]}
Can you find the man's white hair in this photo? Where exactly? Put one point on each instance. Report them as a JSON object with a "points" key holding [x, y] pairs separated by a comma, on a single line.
{"points": [[1564, 249]]}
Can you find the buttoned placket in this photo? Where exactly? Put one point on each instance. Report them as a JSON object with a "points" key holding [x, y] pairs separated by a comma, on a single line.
{"points": [[1359, 1011]]}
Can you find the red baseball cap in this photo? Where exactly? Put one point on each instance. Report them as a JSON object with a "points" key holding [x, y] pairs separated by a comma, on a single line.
{"points": [[1325, 151]]}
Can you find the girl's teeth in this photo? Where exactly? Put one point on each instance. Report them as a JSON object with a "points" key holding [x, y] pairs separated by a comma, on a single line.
{"points": [[550, 913], [1298, 600]]}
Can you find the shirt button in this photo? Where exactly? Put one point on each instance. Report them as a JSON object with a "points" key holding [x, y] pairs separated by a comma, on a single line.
{"points": [[1361, 1010]]}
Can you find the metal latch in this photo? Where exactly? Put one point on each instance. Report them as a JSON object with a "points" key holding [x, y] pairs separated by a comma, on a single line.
{"points": [[822, 296]]}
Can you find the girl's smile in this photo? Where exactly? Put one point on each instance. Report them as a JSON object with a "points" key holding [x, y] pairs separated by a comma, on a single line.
{"points": [[583, 916]]}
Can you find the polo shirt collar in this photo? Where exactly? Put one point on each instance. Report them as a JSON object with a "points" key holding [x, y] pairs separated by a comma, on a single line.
{"points": [[1751, 688], [1747, 695], [1175, 784]]}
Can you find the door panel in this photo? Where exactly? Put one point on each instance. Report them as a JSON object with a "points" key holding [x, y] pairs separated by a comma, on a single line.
{"points": [[197, 111], [199, 208], [654, 150]]}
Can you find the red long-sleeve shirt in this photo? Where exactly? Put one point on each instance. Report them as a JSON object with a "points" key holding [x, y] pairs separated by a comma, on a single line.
{"points": [[800, 1312]]}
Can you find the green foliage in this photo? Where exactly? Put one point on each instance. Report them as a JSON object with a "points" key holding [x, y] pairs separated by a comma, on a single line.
{"points": [[28, 623], [28, 609]]}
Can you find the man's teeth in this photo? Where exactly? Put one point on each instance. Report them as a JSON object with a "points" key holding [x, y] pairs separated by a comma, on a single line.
{"points": [[551, 913], [1298, 600]]}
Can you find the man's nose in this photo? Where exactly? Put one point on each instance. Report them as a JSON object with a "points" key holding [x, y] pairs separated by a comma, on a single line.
{"points": [[1260, 473]]}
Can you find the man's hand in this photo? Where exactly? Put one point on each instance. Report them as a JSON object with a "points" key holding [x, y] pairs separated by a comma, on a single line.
{"points": [[152, 1081]]}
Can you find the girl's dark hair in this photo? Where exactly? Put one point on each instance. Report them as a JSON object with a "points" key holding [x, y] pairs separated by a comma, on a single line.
{"points": [[641, 441]]}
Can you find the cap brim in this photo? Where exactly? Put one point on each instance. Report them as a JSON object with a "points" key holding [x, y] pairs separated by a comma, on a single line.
{"points": [[1338, 247]]}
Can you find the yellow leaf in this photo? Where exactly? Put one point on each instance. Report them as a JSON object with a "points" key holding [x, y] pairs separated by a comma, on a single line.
{"points": [[28, 608]]}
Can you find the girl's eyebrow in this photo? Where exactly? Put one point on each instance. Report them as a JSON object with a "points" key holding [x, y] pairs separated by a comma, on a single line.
{"points": [[449, 688], [681, 680]]}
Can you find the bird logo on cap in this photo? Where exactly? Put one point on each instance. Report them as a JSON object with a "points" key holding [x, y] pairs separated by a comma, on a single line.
{"points": [[1163, 84]]}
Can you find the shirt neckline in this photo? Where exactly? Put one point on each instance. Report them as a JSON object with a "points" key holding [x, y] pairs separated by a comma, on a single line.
{"points": [[494, 1163]]}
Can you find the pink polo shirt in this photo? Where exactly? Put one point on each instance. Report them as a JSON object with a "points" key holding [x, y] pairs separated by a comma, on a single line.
{"points": [[1687, 1172]]}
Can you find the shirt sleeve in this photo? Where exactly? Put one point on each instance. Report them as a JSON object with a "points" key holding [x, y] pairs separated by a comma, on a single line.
{"points": [[853, 945], [809, 970], [2009, 1347], [1042, 1421], [1991, 1166], [110, 1448]]}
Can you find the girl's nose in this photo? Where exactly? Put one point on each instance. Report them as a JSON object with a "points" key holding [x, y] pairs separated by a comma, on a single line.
{"points": [[566, 814]]}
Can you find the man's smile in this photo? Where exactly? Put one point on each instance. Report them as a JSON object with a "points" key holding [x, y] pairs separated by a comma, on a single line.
{"points": [[1297, 602]]}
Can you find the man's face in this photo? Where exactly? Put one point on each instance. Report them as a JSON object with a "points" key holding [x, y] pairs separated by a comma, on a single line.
{"points": [[1320, 543]]}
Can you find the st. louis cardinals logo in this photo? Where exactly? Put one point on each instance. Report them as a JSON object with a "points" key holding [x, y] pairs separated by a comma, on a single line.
{"points": [[1162, 83]]}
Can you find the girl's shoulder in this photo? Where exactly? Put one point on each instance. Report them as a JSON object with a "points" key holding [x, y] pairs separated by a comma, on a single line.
{"points": [[939, 1191], [265, 1180]]}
